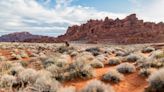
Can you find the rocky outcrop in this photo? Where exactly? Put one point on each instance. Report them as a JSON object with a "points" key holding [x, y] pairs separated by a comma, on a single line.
{"points": [[25, 37], [126, 31]]}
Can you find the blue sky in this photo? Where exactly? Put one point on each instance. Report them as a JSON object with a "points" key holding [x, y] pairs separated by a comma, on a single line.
{"points": [[52, 17]]}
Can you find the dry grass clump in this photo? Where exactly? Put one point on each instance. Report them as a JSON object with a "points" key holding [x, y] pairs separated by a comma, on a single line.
{"points": [[148, 50], [126, 68], [15, 70], [145, 72], [114, 61], [27, 75], [96, 64], [3, 58], [132, 58], [5, 67], [16, 56], [97, 86], [46, 84], [7, 81], [156, 81], [113, 76], [95, 51], [67, 89], [157, 54]]}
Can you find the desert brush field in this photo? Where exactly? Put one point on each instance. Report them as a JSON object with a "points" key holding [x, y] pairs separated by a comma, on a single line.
{"points": [[42, 67]]}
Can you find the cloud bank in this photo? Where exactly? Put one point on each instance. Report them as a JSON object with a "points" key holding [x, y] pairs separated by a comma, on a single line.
{"points": [[35, 17], [31, 16]]}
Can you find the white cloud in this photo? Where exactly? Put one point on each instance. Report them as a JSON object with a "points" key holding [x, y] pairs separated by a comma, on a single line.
{"points": [[149, 10], [29, 15]]}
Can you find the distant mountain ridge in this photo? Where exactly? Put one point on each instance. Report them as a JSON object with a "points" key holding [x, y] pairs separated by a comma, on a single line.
{"points": [[121, 31], [25, 37], [129, 30]]}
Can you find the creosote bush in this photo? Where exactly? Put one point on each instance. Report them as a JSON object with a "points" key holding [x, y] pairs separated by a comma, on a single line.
{"points": [[113, 76], [126, 68], [97, 86]]}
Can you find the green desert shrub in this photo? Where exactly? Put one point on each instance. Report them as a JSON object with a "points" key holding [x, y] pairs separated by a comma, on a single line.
{"points": [[97, 86], [148, 49], [113, 76], [126, 68], [156, 81], [114, 61]]}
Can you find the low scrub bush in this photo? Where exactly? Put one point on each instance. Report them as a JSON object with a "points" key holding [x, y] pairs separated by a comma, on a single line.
{"points": [[114, 61], [132, 58], [113, 76], [7, 81], [145, 72], [156, 81], [148, 49], [97, 86], [27, 75], [126, 68]]}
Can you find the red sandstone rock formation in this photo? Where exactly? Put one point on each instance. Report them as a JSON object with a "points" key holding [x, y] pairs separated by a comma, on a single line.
{"points": [[125, 31]]}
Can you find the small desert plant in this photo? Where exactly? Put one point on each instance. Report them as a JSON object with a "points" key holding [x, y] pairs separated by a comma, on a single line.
{"points": [[24, 63], [126, 68], [132, 58], [114, 61], [5, 67], [46, 84], [24, 54], [16, 56], [7, 80], [97, 64], [3, 58], [157, 54], [27, 75], [113, 76], [101, 58], [95, 51], [67, 89], [145, 72], [156, 81], [97, 86], [48, 62], [14, 70], [148, 50]]}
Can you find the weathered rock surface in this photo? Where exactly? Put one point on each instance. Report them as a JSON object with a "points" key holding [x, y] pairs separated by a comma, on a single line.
{"points": [[126, 31], [25, 37]]}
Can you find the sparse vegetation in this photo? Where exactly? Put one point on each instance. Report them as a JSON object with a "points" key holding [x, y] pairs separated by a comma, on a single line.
{"points": [[114, 61], [156, 81], [97, 86], [126, 68], [113, 76]]}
